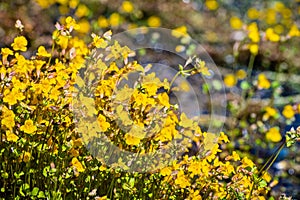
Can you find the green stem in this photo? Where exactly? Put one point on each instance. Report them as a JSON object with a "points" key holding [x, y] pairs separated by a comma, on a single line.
{"points": [[249, 72], [268, 164]]}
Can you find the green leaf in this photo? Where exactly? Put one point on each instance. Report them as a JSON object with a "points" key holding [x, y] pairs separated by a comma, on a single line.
{"points": [[41, 194], [35, 191]]}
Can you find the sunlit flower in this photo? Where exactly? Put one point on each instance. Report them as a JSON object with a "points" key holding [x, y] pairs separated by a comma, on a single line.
{"points": [[42, 52], [253, 13], [71, 24], [230, 80], [263, 82], [274, 135], [241, 74], [288, 111], [127, 7], [253, 48], [82, 10], [181, 180], [246, 162], [180, 31], [77, 164], [236, 23], [103, 124], [102, 22], [271, 35], [211, 4], [28, 127], [20, 43], [115, 19], [11, 137], [253, 32], [154, 21]]}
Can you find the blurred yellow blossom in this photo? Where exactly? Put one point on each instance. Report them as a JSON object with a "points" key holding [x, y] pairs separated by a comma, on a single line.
{"points": [[115, 19], [154, 21], [102, 22], [294, 31], [253, 13], [236, 23], [230, 80], [211, 4], [253, 48], [127, 7], [271, 35], [82, 11], [180, 31], [132, 140], [270, 112], [274, 135], [28, 127], [241, 74], [263, 82], [84, 26], [20, 43], [288, 111], [253, 32]]}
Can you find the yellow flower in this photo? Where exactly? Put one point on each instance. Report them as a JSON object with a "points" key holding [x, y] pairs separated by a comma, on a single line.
{"points": [[77, 164], [270, 112], [181, 180], [131, 140], [102, 22], [42, 52], [230, 80], [11, 97], [236, 23], [263, 82], [274, 135], [11, 137], [28, 127], [84, 26], [154, 21], [288, 111], [6, 51], [253, 13], [179, 31], [115, 19], [82, 11], [235, 156], [103, 124], [246, 162], [127, 6], [25, 156], [211, 4], [71, 24], [99, 42], [166, 171], [294, 31], [185, 121], [271, 16], [253, 48], [253, 33], [164, 99], [271, 35], [223, 137], [19, 43], [8, 118], [241, 74]]}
